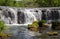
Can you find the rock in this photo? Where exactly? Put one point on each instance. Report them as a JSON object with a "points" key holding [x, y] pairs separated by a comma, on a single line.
{"points": [[55, 33], [49, 33], [52, 33], [33, 28], [32, 33], [45, 25]]}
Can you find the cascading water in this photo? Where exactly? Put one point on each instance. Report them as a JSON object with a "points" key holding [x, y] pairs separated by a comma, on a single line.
{"points": [[20, 16], [13, 15], [31, 15], [24, 16]]}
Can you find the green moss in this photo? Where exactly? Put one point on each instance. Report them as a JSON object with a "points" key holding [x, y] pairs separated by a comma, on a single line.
{"points": [[35, 23], [43, 21]]}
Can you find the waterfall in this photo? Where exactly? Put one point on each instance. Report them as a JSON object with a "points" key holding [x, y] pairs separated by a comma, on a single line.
{"points": [[12, 15], [20, 16], [29, 16], [52, 15]]}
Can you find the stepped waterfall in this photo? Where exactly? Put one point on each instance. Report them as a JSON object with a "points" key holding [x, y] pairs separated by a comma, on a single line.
{"points": [[27, 15], [19, 16]]}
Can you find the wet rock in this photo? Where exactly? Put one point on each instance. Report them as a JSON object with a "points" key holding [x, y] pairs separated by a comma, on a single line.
{"points": [[21, 17]]}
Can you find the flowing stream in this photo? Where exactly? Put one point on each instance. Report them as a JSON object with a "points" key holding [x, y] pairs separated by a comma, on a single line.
{"points": [[22, 16]]}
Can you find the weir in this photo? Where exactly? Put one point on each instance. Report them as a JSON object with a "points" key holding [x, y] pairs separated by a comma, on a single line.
{"points": [[24, 16]]}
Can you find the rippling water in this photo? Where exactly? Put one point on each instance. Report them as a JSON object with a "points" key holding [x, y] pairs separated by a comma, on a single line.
{"points": [[21, 32]]}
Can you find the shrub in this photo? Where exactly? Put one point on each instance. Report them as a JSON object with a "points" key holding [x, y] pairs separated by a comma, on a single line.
{"points": [[40, 23], [2, 26]]}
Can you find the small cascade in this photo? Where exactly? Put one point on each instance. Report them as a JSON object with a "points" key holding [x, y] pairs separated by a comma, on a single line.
{"points": [[16, 16], [20, 16], [8, 16], [29, 16], [13, 15], [32, 15]]}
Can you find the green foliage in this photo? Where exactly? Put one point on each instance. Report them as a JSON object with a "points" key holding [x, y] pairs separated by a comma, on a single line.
{"points": [[29, 25], [30, 3], [35, 23], [2, 26], [48, 3], [41, 22]]}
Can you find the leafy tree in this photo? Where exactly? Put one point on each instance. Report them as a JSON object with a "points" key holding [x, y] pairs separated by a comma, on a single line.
{"points": [[2, 2], [54, 3], [42, 3], [30, 3]]}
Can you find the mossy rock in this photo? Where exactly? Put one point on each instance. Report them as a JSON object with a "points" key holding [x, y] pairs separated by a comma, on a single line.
{"points": [[34, 29], [45, 25], [49, 33], [35, 23], [3, 35], [55, 33], [52, 33]]}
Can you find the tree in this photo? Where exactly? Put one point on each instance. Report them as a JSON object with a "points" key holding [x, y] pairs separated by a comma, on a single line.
{"points": [[54, 3], [43, 3]]}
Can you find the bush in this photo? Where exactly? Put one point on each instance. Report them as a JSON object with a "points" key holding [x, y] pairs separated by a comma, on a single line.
{"points": [[40, 23], [37, 24], [2, 26]]}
